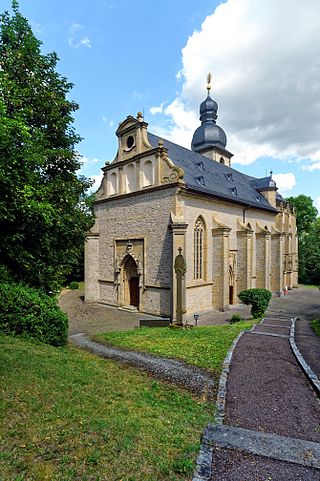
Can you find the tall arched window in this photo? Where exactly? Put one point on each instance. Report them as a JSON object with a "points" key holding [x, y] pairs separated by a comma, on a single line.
{"points": [[199, 230]]}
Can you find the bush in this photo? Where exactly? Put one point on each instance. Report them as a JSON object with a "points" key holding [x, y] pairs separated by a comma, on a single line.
{"points": [[25, 311], [258, 299], [73, 285], [316, 326], [235, 318]]}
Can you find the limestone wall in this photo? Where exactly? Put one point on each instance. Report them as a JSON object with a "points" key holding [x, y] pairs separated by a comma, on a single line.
{"points": [[142, 218]]}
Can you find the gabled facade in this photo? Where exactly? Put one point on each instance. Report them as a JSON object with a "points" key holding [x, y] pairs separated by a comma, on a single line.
{"points": [[158, 200]]}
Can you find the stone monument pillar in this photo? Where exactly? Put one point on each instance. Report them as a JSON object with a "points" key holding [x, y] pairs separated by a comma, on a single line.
{"points": [[180, 269]]}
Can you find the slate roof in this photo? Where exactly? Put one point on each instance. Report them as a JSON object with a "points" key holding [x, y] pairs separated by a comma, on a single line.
{"points": [[212, 178]]}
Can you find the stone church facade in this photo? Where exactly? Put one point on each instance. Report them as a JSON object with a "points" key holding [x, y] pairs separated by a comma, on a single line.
{"points": [[158, 200]]}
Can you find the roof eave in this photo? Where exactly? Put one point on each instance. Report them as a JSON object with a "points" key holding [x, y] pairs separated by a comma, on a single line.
{"points": [[215, 195]]}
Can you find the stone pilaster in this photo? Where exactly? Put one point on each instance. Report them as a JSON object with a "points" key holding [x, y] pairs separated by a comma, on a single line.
{"points": [[91, 267], [295, 263], [263, 259], [220, 266], [244, 246], [277, 249]]}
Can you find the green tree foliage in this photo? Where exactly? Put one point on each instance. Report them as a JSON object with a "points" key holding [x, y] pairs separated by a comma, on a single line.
{"points": [[309, 255], [25, 311], [258, 299], [42, 222], [305, 212], [308, 227]]}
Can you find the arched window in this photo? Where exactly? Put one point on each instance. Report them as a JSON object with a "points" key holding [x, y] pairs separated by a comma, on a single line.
{"points": [[130, 178], [199, 230], [147, 173], [113, 186]]}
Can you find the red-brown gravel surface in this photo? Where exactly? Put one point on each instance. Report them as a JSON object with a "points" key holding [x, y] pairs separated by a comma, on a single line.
{"points": [[308, 344], [285, 331], [232, 465], [268, 392]]}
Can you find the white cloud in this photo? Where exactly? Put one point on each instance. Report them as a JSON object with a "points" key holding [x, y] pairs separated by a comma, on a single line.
{"points": [[110, 122], [96, 181], [265, 61], [76, 38], [36, 27], [315, 166], [284, 182], [85, 160], [157, 109]]}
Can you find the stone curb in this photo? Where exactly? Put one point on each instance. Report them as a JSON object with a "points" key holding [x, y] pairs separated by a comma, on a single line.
{"points": [[311, 375], [282, 448], [203, 471]]}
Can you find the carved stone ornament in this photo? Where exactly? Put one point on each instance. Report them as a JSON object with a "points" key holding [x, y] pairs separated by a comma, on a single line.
{"points": [[129, 247], [180, 265]]}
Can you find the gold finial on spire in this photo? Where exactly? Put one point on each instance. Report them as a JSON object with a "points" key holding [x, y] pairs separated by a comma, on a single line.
{"points": [[209, 77]]}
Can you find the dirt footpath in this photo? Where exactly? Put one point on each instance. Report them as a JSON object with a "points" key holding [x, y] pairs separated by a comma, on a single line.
{"points": [[94, 318]]}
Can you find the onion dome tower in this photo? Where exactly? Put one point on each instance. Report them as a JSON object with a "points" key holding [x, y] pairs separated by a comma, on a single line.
{"points": [[209, 139]]}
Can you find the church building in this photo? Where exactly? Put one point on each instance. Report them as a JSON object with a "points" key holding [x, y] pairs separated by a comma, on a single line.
{"points": [[179, 231]]}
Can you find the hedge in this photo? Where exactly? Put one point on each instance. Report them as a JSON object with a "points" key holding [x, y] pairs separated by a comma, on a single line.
{"points": [[25, 311]]}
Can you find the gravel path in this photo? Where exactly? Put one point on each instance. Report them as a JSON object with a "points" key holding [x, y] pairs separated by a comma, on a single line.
{"points": [[241, 466], [268, 393], [308, 344], [189, 377], [266, 388]]}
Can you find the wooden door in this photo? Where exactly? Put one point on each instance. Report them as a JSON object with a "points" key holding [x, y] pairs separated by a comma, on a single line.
{"points": [[134, 291]]}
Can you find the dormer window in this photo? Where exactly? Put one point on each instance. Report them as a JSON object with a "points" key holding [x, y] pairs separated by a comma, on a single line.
{"points": [[234, 191], [200, 180], [229, 177], [200, 165]]}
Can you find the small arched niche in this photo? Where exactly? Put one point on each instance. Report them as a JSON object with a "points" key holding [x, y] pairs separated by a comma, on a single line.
{"points": [[147, 173], [130, 178], [113, 184]]}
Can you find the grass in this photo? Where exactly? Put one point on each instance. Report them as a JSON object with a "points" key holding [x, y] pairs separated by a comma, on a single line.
{"points": [[201, 346], [316, 326], [311, 286], [66, 415]]}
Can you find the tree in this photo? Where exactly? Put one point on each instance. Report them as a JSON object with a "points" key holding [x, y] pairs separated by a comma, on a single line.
{"points": [[42, 224], [309, 255], [308, 227], [305, 212]]}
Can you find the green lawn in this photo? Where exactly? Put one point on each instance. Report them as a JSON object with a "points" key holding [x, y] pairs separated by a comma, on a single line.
{"points": [[202, 346], [67, 415], [316, 326]]}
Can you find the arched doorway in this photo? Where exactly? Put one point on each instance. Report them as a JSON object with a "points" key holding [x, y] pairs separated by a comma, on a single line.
{"points": [[130, 283]]}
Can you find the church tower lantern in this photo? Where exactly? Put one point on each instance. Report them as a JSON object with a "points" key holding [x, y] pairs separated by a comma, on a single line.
{"points": [[210, 139]]}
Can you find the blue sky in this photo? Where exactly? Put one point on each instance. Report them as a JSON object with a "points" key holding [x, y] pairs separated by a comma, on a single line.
{"points": [[125, 56]]}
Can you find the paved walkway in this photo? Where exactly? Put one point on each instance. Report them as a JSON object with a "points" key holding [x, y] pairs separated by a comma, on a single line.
{"points": [[95, 318], [271, 429]]}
